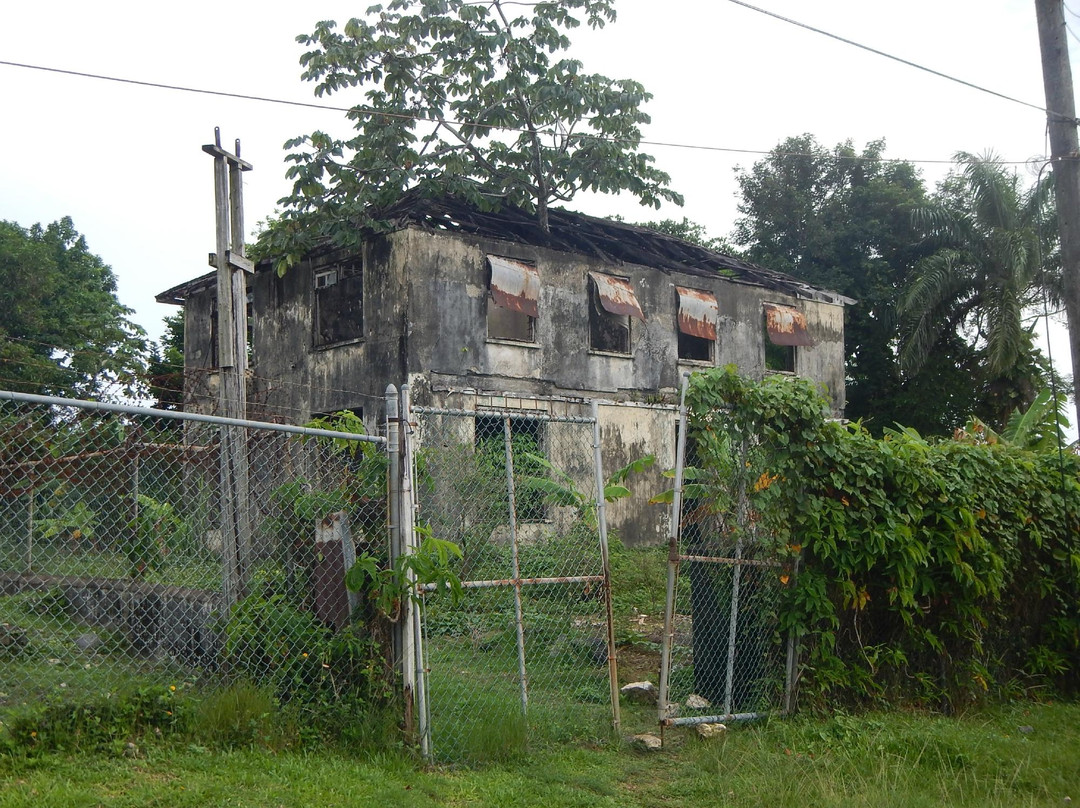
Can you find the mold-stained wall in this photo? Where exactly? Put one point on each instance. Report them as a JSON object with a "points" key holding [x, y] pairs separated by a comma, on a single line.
{"points": [[425, 304]]}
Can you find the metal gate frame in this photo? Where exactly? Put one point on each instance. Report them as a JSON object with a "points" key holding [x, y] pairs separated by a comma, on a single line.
{"points": [[676, 556], [402, 430]]}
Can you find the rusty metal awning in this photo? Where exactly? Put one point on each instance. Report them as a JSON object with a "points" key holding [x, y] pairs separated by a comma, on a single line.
{"points": [[698, 313], [617, 295], [514, 285], [786, 326]]}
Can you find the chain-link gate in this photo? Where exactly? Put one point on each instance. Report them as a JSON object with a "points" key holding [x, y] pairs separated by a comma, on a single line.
{"points": [[116, 563], [722, 657], [529, 650]]}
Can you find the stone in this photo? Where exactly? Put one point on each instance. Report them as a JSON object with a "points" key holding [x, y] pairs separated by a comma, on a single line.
{"points": [[711, 730], [647, 742], [1027, 729], [640, 692], [696, 702]]}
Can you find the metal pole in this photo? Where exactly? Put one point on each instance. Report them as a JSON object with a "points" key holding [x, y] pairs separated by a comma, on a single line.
{"points": [[216, 420], [522, 680], [413, 628], [30, 533], [673, 556], [736, 574], [403, 650], [605, 556], [792, 658]]}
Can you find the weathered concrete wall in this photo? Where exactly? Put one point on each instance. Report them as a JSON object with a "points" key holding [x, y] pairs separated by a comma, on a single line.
{"points": [[425, 319], [158, 621], [448, 301]]}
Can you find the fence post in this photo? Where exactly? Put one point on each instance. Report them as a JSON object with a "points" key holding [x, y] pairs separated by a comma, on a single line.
{"points": [[673, 557], [523, 681], [413, 624], [30, 532], [605, 560], [402, 630]]}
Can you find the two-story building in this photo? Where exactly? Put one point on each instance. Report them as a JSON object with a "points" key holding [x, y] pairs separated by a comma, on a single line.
{"points": [[486, 310]]}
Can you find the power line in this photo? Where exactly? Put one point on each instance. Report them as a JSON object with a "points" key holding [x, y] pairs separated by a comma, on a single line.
{"points": [[899, 59], [407, 116]]}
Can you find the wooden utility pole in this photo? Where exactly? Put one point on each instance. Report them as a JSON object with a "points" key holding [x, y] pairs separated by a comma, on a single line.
{"points": [[232, 269], [1065, 155]]}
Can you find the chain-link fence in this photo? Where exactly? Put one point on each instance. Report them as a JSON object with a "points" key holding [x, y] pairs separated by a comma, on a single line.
{"points": [[528, 651], [723, 655], [118, 568]]}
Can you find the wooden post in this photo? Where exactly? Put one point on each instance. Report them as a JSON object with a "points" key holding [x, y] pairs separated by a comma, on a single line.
{"points": [[232, 267], [1065, 154]]}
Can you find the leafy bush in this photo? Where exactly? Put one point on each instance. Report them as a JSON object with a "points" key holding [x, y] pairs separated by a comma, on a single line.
{"points": [[929, 570]]}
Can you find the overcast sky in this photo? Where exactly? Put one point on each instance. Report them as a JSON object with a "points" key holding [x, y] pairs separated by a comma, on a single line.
{"points": [[125, 161]]}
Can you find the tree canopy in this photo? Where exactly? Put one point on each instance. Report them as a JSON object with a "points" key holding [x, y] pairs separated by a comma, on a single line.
{"points": [[940, 281], [841, 219], [477, 100], [994, 258], [62, 329]]}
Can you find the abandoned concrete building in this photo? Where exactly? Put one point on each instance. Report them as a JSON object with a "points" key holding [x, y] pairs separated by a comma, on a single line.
{"points": [[487, 311]]}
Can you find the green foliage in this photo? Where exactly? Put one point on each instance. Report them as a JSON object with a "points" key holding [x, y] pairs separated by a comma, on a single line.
{"points": [[97, 722], [389, 587], [165, 366], [994, 258], [841, 218], [63, 330], [236, 716], [274, 644], [930, 570], [493, 112], [558, 488]]}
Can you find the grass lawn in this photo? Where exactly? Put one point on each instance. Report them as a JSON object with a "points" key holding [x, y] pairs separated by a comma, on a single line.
{"points": [[1023, 754]]}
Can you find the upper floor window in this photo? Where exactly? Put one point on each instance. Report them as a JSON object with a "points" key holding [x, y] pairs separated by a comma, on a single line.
{"points": [[697, 319], [339, 304], [612, 303], [513, 300], [785, 330]]}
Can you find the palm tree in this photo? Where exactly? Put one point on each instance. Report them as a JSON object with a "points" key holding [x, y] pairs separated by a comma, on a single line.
{"points": [[996, 256]]}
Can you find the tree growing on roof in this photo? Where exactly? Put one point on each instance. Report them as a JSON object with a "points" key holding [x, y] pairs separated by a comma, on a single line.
{"points": [[472, 99]]}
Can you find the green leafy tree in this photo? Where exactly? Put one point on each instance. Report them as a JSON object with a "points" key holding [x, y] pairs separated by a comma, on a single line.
{"points": [[694, 233], [994, 258], [472, 99], [62, 329], [165, 368], [842, 219]]}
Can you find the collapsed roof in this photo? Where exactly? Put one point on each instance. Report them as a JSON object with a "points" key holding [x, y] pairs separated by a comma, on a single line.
{"points": [[612, 241]]}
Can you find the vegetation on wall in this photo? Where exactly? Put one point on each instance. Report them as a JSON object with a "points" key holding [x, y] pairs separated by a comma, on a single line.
{"points": [[937, 572]]}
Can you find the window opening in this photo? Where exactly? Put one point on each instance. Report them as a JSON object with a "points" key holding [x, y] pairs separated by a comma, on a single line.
{"points": [[527, 447], [339, 304], [513, 300], [612, 304], [697, 318], [785, 329]]}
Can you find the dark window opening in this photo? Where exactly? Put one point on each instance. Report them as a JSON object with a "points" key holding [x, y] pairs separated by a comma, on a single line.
{"points": [[607, 331], [339, 304], [779, 358], [695, 348], [696, 322], [527, 452], [513, 300], [509, 324]]}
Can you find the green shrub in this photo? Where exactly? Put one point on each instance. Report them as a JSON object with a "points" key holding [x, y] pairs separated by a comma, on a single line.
{"points": [[933, 571]]}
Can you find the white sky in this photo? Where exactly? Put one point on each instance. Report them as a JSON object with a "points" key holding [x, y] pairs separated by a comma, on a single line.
{"points": [[125, 162]]}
